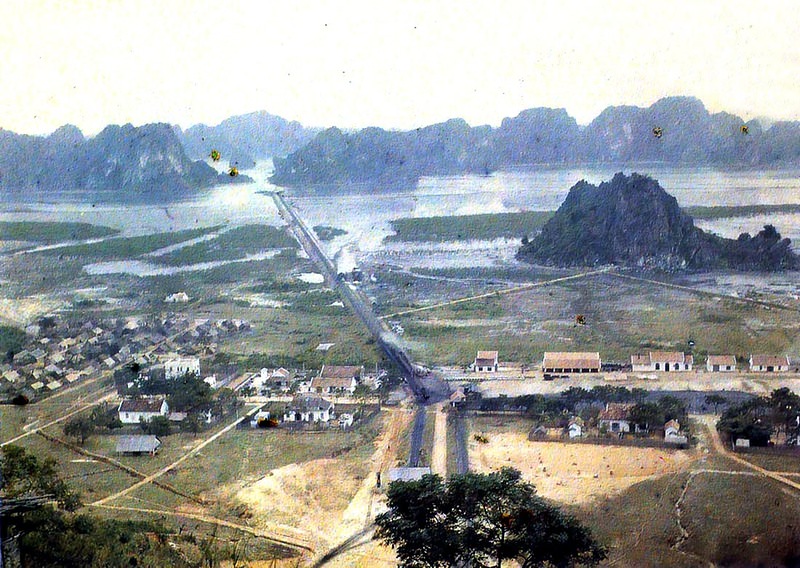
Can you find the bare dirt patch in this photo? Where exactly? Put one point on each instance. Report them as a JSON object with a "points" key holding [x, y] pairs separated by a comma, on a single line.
{"points": [[574, 473]]}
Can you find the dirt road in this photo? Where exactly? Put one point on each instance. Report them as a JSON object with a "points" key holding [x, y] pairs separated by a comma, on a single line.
{"points": [[439, 451]]}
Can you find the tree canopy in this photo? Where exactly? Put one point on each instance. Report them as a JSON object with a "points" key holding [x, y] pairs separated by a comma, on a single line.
{"points": [[480, 520]]}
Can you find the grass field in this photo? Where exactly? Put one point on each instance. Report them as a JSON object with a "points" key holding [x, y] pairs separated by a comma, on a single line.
{"points": [[466, 227], [721, 212], [527, 223], [44, 232], [128, 247], [235, 243], [623, 317]]}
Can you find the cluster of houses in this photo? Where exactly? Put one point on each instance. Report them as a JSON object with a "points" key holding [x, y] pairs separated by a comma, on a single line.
{"points": [[59, 352], [572, 362], [615, 418], [331, 380]]}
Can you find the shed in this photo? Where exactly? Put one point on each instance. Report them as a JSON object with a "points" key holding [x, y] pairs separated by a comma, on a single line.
{"points": [[407, 473], [138, 445]]}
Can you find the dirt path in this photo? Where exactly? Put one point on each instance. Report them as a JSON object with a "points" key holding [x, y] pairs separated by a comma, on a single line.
{"points": [[150, 478], [439, 451], [710, 423], [496, 293], [278, 535], [355, 529], [60, 419]]}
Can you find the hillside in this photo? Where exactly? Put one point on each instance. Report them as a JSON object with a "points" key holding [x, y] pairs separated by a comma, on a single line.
{"points": [[632, 221], [688, 135], [245, 138], [387, 157], [147, 159]]}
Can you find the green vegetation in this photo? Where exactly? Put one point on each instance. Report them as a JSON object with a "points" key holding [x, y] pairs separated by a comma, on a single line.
{"points": [[130, 247], [465, 227], [45, 232], [325, 233], [230, 245], [758, 418], [12, 340], [724, 211], [481, 519]]}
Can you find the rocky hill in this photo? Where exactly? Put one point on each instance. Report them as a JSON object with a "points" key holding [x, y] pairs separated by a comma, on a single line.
{"points": [[387, 157], [148, 160], [243, 139], [674, 130], [632, 221]]}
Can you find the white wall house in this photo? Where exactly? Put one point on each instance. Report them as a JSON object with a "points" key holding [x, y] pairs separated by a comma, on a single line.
{"points": [[308, 409], [133, 411], [720, 363], [615, 418], [662, 361], [485, 362], [179, 366], [768, 364]]}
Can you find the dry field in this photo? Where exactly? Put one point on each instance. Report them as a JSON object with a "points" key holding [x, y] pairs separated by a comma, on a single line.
{"points": [[574, 473]]}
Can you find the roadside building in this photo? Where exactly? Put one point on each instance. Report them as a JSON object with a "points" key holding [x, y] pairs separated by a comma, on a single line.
{"points": [[133, 411], [571, 362], [138, 445], [346, 421], [725, 363], [485, 362], [662, 361], [179, 366], [768, 364], [308, 409], [407, 473]]}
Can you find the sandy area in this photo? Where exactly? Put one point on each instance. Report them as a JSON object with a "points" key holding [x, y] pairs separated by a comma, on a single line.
{"points": [[746, 382], [574, 473], [24, 310], [330, 499]]}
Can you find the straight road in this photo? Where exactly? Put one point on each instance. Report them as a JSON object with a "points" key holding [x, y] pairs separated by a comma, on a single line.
{"points": [[430, 390]]}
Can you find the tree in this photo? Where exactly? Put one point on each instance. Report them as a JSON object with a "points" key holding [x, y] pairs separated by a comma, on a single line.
{"points": [[749, 420], [157, 426], [80, 427], [481, 520], [647, 415], [715, 400]]}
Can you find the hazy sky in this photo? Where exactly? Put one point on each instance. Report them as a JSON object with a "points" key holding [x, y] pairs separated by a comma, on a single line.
{"points": [[390, 64]]}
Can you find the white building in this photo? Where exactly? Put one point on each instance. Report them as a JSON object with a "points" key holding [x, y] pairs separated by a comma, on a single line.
{"points": [[485, 362], [724, 363], [768, 364], [308, 409], [133, 411], [179, 366], [662, 361]]}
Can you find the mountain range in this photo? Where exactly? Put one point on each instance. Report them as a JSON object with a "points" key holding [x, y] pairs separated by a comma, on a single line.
{"points": [[125, 159], [243, 139], [631, 221], [674, 130]]}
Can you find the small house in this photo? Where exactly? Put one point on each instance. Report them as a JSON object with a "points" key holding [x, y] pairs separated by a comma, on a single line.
{"points": [[571, 362], [721, 363], [138, 445], [308, 409], [133, 411], [662, 361], [615, 418], [407, 473], [485, 362], [672, 434], [768, 364], [575, 427]]}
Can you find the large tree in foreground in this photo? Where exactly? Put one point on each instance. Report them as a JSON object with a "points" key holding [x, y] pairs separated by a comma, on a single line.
{"points": [[480, 520]]}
